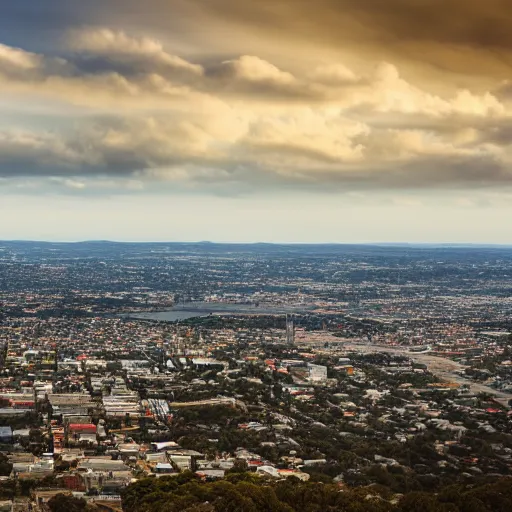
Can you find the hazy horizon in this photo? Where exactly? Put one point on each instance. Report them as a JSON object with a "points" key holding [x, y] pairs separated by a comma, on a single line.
{"points": [[229, 242]]}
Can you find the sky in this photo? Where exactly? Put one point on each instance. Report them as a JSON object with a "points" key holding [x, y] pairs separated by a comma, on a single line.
{"points": [[262, 120]]}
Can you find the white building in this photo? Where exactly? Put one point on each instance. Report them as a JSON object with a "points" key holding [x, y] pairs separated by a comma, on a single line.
{"points": [[317, 373]]}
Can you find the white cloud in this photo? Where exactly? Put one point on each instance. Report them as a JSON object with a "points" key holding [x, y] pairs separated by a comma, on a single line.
{"points": [[116, 45], [322, 135], [334, 75], [254, 69], [244, 121], [15, 58]]}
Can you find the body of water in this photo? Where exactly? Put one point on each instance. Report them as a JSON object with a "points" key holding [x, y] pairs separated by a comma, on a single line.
{"points": [[212, 308]]}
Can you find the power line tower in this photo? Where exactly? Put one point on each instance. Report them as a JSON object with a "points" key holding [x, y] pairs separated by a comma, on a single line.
{"points": [[290, 330]]}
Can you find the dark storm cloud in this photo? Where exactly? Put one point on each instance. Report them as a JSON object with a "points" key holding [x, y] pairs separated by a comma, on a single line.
{"points": [[466, 36]]}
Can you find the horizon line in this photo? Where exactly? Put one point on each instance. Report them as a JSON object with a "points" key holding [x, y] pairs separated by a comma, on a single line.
{"points": [[212, 242]]}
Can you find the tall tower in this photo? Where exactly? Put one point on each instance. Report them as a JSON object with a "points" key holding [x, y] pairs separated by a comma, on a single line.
{"points": [[290, 330]]}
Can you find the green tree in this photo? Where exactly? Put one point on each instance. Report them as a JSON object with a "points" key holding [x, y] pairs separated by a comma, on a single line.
{"points": [[66, 503], [422, 502], [5, 465], [239, 466], [201, 507]]}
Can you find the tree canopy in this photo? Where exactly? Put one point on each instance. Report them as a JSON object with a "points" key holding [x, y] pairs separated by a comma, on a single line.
{"points": [[186, 492]]}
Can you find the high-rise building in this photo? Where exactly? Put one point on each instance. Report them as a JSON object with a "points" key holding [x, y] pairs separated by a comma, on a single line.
{"points": [[290, 330]]}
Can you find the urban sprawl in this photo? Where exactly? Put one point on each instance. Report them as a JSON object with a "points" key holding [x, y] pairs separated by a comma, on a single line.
{"points": [[206, 377]]}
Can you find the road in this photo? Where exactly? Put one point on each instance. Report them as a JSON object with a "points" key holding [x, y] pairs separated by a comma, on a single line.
{"points": [[445, 369]]}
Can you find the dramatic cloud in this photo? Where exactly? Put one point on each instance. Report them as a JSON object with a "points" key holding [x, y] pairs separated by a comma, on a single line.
{"points": [[22, 154], [454, 37], [251, 121], [461, 36], [254, 104], [132, 54]]}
